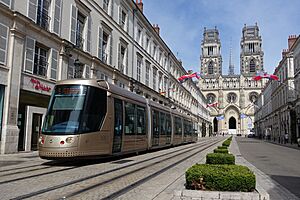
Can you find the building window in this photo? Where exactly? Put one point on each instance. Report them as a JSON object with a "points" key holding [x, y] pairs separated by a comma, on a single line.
{"points": [[147, 73], [79, 30], [40, 60], [105, 46], [139, 35], [123, 58], [231, 97], [105, 5], [210, 50], [210, 68], [38, 12], [210, 98], [252, 65], [139, 67], [7, 3], [154, 78], [3, 43], [147, 47], [123, 18]]}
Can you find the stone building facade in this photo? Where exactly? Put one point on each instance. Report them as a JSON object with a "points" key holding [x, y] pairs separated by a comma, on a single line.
{"points": [[234, 93], [278, 111], [43, 41]]}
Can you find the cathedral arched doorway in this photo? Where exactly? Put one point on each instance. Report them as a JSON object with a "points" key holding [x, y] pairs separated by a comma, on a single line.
{"points": [[232, 123], [215, 122]]}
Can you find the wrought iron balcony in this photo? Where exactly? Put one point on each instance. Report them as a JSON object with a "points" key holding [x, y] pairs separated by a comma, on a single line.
{"points": [[43, 20]]}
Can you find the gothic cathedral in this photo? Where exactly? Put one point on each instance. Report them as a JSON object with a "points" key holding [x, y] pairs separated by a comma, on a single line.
{"points": [[235, 94]]}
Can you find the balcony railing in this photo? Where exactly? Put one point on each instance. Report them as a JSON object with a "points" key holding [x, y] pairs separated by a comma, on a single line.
{"points": [[43, 20], [79, 40]]}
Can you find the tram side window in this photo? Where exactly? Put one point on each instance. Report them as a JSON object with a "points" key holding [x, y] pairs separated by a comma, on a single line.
{"points": [[162, 123], [178, 126], [141, 120], [130, 119], [155, 121], [168, 124]]}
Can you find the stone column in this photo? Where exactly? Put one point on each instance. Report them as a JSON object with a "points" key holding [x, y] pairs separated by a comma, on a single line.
{"points": [[10, 131]]}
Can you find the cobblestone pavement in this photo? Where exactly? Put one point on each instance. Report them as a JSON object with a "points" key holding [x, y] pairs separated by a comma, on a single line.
{"points": [[154, 175]]}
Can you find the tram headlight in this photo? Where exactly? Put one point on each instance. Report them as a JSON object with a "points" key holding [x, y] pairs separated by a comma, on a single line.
{"points": [[41, 140], [69, 140]]}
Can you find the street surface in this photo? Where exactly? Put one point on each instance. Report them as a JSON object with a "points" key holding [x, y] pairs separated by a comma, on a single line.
{"points": [[280, 163], [153, 175]]}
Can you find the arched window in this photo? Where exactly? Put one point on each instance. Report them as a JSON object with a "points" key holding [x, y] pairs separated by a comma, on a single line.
{"points": [[210, 68], [252, 65]]}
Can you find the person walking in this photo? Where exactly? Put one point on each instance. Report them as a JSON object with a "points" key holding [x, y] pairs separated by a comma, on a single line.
{"points": [[286, 138]]}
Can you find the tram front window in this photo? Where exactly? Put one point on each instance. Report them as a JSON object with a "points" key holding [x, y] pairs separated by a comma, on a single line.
{"points": [[75, 109]]}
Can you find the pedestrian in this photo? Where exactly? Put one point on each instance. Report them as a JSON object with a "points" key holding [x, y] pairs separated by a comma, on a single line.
{"points": [[286, 138]]}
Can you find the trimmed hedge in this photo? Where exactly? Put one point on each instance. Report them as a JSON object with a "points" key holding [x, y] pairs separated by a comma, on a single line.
{"points": [[222, 147], [220, 158], [220, 178], [226, 143], [220, 150]]}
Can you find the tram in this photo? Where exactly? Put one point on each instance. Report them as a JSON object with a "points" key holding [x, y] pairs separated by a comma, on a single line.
{"points": [[89, 117]]}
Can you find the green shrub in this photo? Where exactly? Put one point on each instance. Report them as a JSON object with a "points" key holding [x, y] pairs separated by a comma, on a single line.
{"points": [[220, 158], [220, 150], [222, 147], [220, 178], [226, 143]]}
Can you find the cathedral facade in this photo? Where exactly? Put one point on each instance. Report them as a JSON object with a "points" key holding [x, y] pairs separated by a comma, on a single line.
{"points": [[235, 94]]}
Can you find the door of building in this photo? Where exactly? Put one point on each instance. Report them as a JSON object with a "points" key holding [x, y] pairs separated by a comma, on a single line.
{"points": [[118, 127], [36, 127]]}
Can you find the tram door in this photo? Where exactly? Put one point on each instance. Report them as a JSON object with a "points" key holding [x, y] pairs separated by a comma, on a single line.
{"points": [[155, 127], [118, 127]]}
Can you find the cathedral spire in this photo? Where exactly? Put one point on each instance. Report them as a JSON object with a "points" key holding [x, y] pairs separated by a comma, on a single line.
{"points": [[231, 65]]}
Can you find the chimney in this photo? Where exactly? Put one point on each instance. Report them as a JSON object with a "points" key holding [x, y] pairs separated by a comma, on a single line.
{"points": [[284, 52], [156, 28], [292, 39], [140, 4]]}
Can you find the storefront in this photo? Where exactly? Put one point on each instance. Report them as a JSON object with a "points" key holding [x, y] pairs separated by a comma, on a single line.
{"points": [[33, 103]]}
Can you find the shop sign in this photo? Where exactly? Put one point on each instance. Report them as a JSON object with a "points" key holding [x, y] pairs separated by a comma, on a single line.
{"points": [[39, 86]]}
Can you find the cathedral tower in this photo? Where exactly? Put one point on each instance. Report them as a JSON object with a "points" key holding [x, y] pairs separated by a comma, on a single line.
{"points": [[251, 57], [211, 59]]}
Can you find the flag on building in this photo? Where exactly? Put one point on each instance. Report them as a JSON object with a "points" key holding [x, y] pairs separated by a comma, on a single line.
{"points": [[262, 75], [220, 117], [185, 77], [243, 116], [212, 105]]}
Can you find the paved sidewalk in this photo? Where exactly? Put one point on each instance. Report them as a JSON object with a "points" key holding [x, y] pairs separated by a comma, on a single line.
{"points": [[264, 184]]}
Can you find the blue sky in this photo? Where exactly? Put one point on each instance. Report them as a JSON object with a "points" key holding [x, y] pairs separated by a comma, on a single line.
{"points": [[182, 23]]}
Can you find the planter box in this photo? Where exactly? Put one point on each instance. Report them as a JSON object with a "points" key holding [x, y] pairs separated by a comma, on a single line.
{"points": [[216, 195]]}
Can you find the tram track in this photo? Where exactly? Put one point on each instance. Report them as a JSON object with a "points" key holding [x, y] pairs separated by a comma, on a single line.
{"points": [[78, 181], [139, 182], [47, 173]]}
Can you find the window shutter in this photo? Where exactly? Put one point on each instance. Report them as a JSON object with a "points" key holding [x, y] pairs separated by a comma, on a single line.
{"points": [[87, 71], [126, 57], [54, 64], [57, 16], [73, 23], [71, 68], [120, 15], [119, 58], [127, 23], [100, 38], [32, 9], [29, 54], [112, 8], [88, 37], [111, 49], [3, 42], [6, 2]]}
